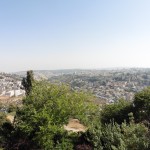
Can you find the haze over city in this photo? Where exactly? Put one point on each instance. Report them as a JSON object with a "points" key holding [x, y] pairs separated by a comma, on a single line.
{"points": [[74, 34]]}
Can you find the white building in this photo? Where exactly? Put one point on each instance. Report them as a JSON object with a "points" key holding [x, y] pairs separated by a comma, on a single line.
{"points": [[19, 92], [10, 93]]}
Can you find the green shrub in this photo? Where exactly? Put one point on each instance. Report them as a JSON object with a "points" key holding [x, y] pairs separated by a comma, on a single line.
{"points": [[142, 105], [117, 112], [112, 136]]}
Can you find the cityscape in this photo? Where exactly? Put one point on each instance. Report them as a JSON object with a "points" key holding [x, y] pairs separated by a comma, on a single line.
{"points": [[107, 86]]}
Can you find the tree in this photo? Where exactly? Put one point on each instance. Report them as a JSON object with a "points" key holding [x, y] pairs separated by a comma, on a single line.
{"points": [[27, 82], [46, 110], [117, 112], [141, 105]]}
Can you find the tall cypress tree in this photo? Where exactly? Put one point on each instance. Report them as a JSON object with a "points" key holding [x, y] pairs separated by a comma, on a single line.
{"points": [[27, 82]]}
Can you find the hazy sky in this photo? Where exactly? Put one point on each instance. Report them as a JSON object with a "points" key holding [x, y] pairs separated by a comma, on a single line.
{"points": [[63, 34]]}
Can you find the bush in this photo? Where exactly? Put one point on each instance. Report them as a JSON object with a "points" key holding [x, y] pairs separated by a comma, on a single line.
{"points": [[5, 129], [127, 136], [142, 105], [12, 108], [117, 112]]}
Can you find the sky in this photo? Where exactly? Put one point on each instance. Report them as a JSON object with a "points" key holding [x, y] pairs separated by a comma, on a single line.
{"points": [[71, 34]]}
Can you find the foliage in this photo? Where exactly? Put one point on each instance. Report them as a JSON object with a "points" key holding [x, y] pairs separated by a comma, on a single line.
{"points": [[125, 137], [47, 108], [12, 108], [2, 121], [120, 137], [5, 129], [2, 118], [28, 81], [117, 112], [142, 105]]}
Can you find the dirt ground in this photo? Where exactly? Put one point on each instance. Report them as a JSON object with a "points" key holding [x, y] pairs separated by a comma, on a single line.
{"points": [[74, 125]]}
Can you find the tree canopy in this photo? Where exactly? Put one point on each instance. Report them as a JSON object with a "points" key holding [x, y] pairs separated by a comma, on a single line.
{"points": [[47, 108]]}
